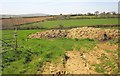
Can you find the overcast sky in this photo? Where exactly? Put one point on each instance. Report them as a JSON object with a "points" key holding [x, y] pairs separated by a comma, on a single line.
{"points": [[56, 6]]}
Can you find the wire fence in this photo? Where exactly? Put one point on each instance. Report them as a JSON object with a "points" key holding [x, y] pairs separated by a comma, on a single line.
{"points": [[9, 38], [9, 41]]}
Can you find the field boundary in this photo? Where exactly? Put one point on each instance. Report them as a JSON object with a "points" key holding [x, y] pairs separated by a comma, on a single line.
{"points": [[95, 26]]}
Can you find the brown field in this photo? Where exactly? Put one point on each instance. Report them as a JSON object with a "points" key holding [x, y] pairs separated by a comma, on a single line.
{"points": [[8, 23]]}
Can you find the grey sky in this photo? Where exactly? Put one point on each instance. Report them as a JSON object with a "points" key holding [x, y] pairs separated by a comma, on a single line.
{"points": [[57, 6]]}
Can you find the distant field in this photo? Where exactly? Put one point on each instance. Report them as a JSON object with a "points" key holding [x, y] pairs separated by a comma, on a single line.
{"points": [[9, 23], [71, 23]]}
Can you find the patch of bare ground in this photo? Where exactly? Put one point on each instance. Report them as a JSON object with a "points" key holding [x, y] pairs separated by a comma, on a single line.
{"points": [[52, 68], [80, 62]]}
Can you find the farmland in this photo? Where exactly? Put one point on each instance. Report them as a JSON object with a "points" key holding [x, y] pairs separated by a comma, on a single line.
{"points": [[33, 55], [57, 38], [9, 23], [70, 23]]}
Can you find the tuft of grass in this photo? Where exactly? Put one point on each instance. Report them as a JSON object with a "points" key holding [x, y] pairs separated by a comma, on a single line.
{"points": [[103, 57], [114, 41], [108, 51], [99, 68]]}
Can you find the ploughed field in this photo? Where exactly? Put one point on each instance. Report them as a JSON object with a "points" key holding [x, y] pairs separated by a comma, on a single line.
{"points": [[10, 23]]}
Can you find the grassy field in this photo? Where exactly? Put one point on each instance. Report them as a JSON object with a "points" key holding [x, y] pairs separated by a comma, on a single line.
{"points": [[32, 53], [71, 23]]}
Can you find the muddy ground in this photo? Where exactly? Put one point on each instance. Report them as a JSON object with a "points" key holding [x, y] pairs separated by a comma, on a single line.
{"points": [[78, 62]]}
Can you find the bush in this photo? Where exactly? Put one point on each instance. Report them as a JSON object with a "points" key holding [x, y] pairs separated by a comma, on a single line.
{"points": [[61, 26]]}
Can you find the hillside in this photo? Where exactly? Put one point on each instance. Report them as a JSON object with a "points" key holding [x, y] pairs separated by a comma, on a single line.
{"points": [[22, 15]]}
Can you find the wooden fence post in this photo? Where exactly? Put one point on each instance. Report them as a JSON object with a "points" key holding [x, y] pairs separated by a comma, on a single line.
{"points": [[15, 36]]}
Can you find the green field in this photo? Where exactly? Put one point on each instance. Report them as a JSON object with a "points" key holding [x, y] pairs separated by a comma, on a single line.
{"points": [[31, 53], [71, 23]]}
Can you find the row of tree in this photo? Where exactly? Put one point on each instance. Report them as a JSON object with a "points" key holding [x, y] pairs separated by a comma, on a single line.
{"points": [[105, 13], [95, 13]]}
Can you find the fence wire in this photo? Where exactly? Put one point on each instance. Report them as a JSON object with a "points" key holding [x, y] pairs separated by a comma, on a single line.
{"points": [[9, 41], [9, 38]]}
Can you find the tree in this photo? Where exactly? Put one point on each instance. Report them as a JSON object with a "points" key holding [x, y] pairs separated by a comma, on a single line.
{"points": [[61, 14], [113, 12], [90, 14], [108, 14], [103, 14], [96, 13]]}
